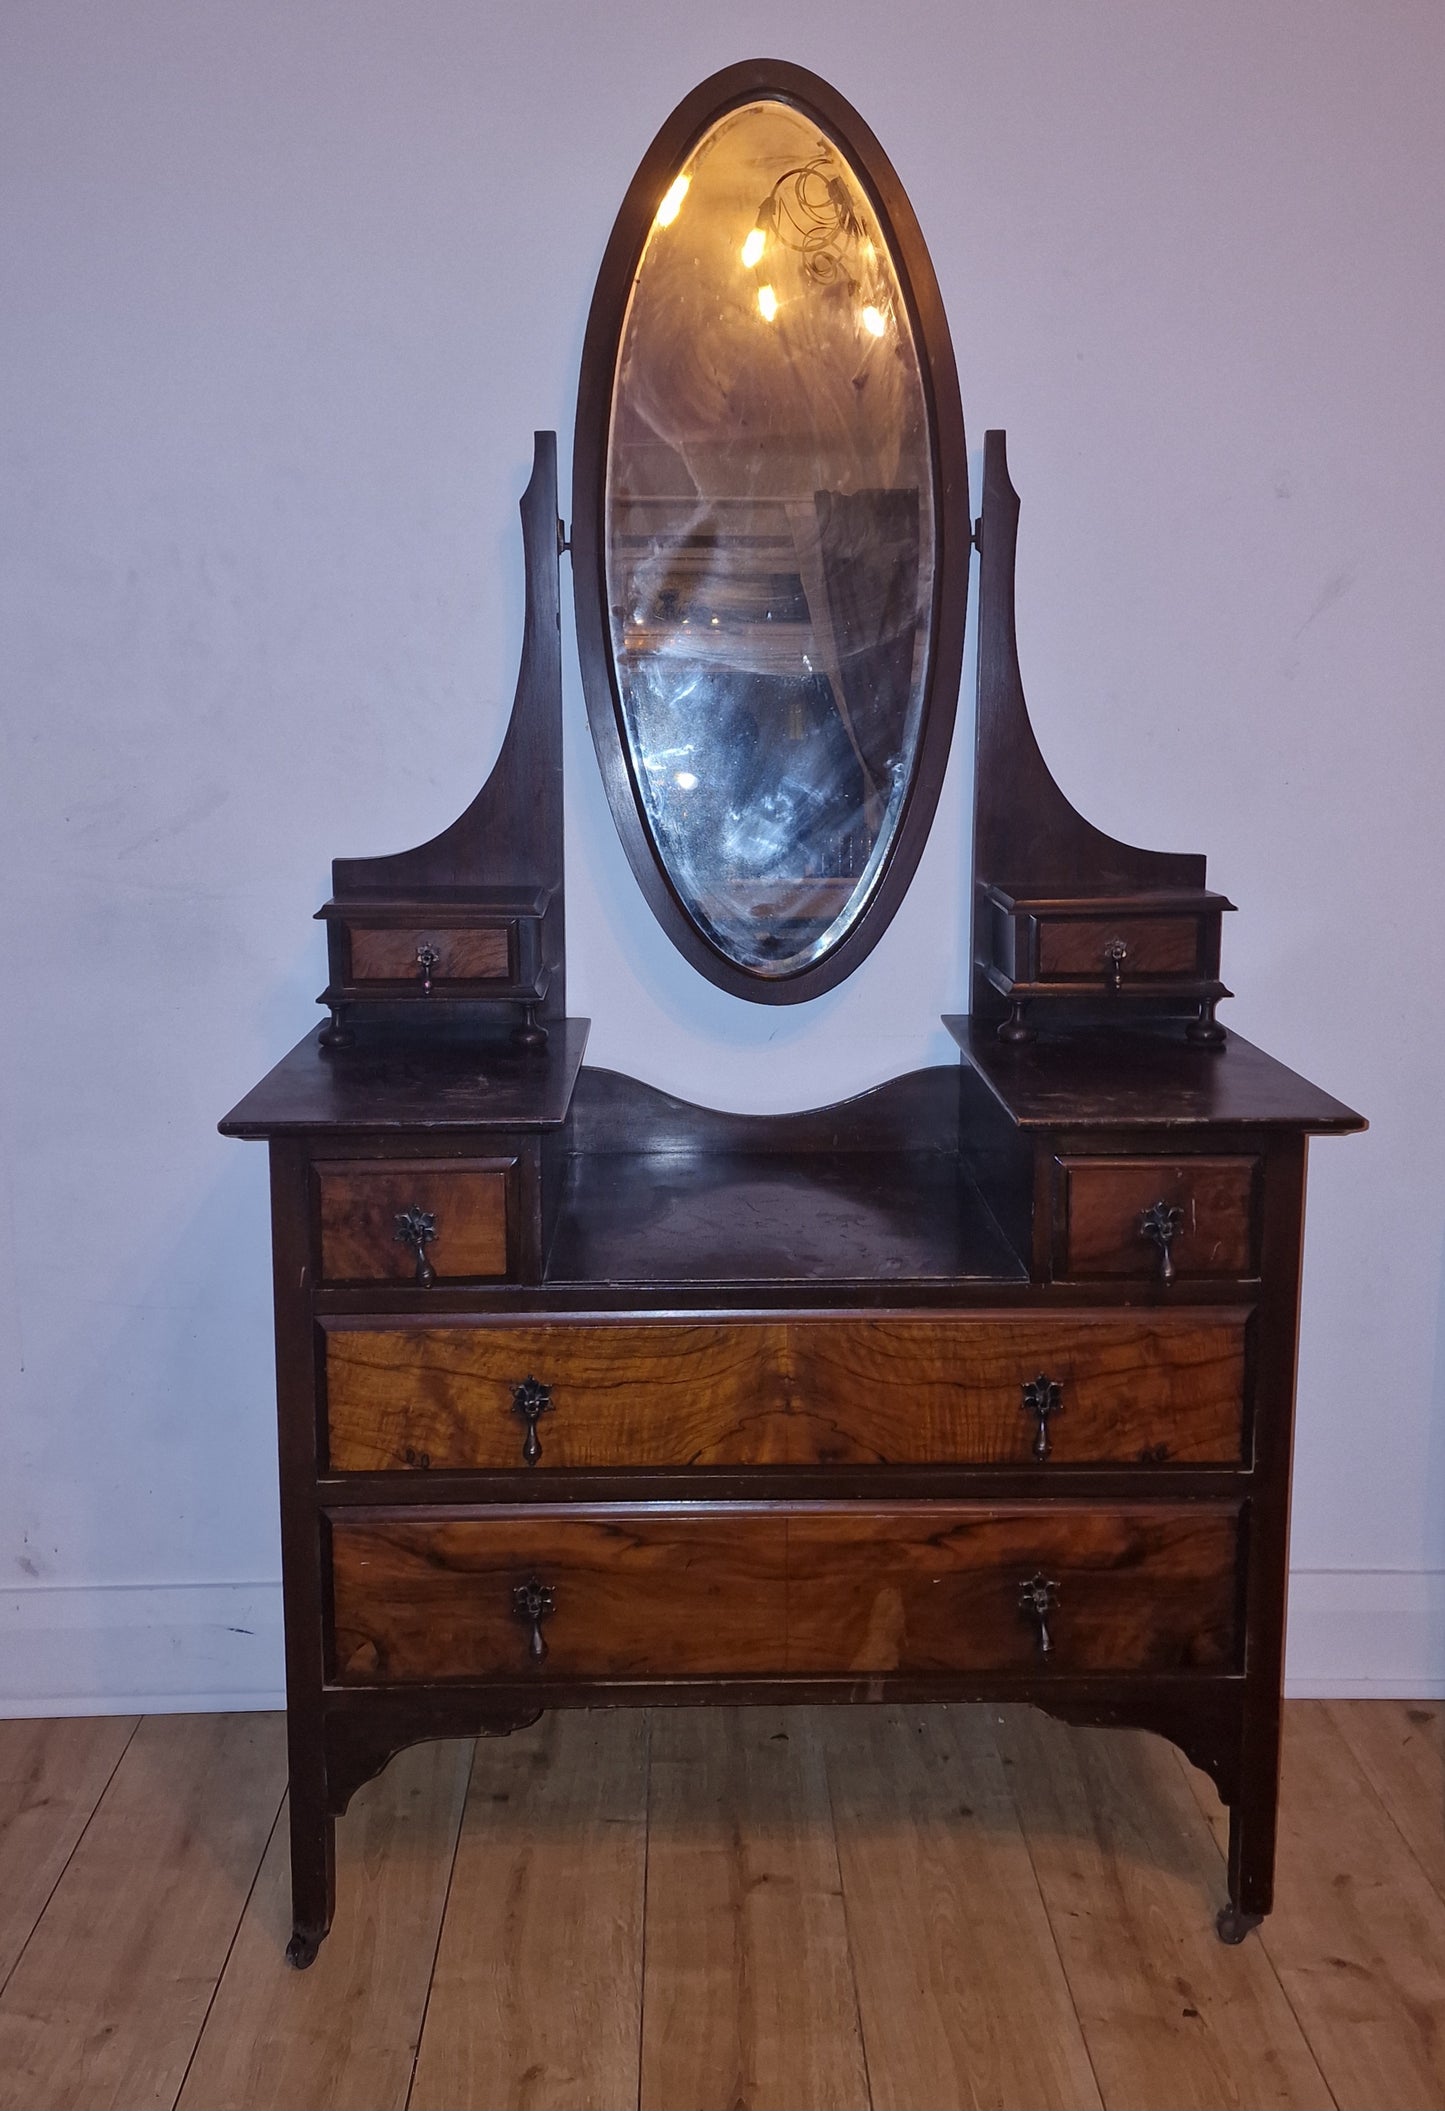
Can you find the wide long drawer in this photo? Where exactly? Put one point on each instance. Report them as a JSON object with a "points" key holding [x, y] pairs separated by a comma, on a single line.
{"points": [[813, 1591], [920, 1388]]}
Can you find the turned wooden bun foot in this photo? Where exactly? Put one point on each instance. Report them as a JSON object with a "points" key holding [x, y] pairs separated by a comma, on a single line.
{"points": [[1231, 1925], [1015, 1030]]}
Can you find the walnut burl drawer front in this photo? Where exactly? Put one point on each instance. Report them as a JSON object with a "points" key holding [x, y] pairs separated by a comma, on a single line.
{"points": [[413, 1220], [455, 956], [1158, 1218], [1152, 945], [617, 1596], [905, 1390], [817, 1591], [499, 1396], [1066, 1389], [954, 1588]]}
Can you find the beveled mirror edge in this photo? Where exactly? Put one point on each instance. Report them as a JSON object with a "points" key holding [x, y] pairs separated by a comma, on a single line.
{"points": [[711, 100]]}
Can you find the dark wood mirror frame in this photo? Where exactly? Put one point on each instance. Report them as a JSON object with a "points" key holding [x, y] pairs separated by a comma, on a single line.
{"points": [[773, 79]]}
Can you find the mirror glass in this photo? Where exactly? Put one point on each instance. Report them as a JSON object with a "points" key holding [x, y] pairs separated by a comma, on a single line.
{"points": [[770, 539]]}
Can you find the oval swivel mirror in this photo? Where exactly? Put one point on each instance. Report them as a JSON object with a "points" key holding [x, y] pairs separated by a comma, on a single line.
{"points": [[770, 532]]}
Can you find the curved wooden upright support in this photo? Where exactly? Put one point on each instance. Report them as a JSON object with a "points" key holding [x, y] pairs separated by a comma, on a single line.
{"points": [[512, 831], [1062, 910], [476, 915]]}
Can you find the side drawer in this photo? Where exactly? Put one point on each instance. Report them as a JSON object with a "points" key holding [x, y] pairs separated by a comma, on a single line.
{"points": [[415, 1220], [817, 1590], [617, 1595], [910, 1389], [387, 954], [1061, 1589], [1157, 1218], [1110, 953]]}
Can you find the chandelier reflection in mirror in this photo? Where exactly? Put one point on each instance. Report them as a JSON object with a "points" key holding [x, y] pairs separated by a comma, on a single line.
{"points": [[770, 540]]}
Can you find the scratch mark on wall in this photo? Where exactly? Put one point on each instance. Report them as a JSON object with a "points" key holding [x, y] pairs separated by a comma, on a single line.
{"points": [[1338, 584]]}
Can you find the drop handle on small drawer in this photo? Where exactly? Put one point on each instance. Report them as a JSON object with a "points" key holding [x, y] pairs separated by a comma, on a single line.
{"points": [[533, 1602], [1037, 1598], [1042, 1398], [417, 1227], [427, 958], [530, 1400], [1162, 1223], [1115, 954]]}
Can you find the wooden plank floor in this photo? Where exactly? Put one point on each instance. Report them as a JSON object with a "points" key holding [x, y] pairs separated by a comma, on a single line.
{"points": [[798, 1909]]}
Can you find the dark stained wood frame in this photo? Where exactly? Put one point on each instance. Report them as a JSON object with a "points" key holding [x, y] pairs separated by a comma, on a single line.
{"points": [[773, 79]]}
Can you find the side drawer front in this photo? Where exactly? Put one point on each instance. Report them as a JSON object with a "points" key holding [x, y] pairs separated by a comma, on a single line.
{"points": [[458, 1212], [1209, 1202], [391, 955], [1119, 1388], [625, 1596], [656, 1394], [1079, 946], [943, 1588]]}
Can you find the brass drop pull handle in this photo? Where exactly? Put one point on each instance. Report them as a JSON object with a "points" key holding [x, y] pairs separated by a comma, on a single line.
{"points": [[427, 958], [417, 1227], [1115, 954], [1042, 1398], [1037, 1598], [533, 1602], [530, 1400], [1162, 1223]]}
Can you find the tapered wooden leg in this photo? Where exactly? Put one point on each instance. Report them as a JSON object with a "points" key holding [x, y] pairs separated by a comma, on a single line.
{"points": [[1253, 1825], [313, 1860]]}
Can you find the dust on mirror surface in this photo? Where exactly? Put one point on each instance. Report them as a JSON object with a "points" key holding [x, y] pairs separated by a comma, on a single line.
{"points": [[770, 539]]}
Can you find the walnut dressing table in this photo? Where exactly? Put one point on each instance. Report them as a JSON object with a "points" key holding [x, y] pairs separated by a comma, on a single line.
{"points": [[979, 1385]]}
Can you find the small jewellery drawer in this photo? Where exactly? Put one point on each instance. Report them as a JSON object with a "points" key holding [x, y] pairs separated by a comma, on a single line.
{"points": [[821, 1590], [478, 954], [909, 1389], [1158, 1218], [1118, 951], [414, 1220]]}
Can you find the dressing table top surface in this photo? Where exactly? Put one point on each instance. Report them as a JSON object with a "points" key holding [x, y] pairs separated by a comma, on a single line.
{"points": [[394, 1081], [1145, 1079]]}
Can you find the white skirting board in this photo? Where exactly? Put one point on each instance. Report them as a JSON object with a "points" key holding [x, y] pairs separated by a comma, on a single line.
{"points": [[181, 1647], [141, 1649]]}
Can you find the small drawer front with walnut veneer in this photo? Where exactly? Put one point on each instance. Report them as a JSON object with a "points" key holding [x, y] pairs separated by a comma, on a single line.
{"points": [[913, 1389], [430, 956], [817, 1591], [1158, 1218], [1109, 951], [420, 1221]]}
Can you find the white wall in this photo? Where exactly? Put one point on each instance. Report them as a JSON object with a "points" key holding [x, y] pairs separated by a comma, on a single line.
{"points": [[288, 287]]}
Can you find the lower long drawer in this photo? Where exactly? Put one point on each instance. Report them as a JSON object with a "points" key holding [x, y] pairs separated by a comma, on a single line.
{"points": [[815, 1590]]}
